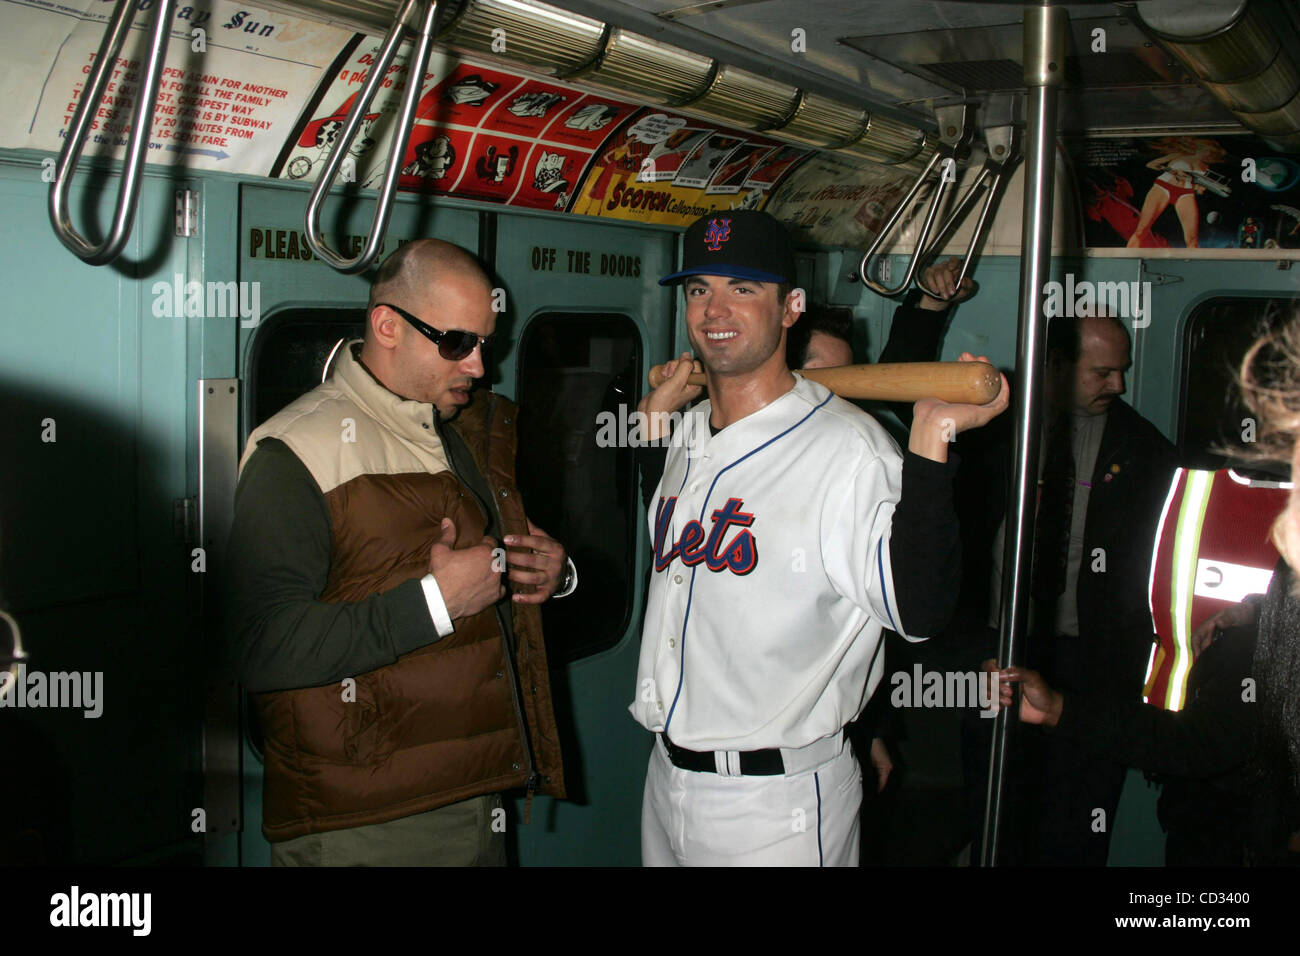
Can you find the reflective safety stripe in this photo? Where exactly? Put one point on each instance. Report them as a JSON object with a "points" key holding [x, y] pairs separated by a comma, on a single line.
{"points": [[1211, 550], [1191, 518], [1157, 650]]}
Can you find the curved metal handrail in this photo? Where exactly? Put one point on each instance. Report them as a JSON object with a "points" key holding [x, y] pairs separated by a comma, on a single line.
{"points": [[137, 138], [997, 171], [16, 656], [401, 136], [940, 157]]}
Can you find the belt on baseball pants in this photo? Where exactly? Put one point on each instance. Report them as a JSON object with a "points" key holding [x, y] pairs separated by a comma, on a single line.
{"points": [[754, 763]]}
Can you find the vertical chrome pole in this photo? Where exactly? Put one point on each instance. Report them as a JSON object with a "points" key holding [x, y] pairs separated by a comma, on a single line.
{"points": [[1044, 37]]}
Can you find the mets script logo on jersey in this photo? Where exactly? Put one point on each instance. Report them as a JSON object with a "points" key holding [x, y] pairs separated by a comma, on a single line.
{"points": [[719, 231], [739, 557]]}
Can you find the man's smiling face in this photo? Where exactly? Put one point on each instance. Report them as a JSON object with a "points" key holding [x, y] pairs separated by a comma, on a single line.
{"points": [[735, 325]]}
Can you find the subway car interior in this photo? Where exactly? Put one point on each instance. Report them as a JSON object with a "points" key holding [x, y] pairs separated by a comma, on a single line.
{"points": [[196, 197]]}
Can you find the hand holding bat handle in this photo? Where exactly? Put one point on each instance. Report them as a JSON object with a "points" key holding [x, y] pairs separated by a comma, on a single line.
{"points": [[973, 383]]}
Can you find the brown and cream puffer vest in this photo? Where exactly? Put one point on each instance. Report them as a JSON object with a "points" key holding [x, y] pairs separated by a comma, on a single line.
{"points": [[447, 721]]}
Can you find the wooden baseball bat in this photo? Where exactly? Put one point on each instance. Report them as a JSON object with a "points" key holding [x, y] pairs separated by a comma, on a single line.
{"points": [[974, 383]]}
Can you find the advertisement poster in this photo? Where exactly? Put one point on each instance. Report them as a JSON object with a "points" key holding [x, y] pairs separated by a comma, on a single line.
{"points": [[233, 81], [480, 132], [670, 170], [1186, 192], [837, 202], [256, 92]]}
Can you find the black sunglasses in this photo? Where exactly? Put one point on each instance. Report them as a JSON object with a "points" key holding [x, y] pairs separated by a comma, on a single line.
{"points": [[453, 345]]}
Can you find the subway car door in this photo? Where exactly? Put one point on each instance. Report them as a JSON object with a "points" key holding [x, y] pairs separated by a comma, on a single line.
{"points": [[585, 319]]}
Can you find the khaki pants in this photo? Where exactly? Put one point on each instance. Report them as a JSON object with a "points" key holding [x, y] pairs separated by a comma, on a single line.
{"points": [[468, 833]]}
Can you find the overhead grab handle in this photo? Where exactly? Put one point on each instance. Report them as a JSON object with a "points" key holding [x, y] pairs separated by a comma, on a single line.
{"points": [[954, 135], [426, 11], [940, 188], [137, 138], [1003, 144]]}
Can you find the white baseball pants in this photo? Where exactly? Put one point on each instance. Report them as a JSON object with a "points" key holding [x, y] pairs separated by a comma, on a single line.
{"points": [[707, 819]]}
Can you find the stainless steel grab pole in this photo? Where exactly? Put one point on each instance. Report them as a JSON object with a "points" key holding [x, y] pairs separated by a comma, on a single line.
{"points": [[1044, 39], [424, 13], [128, 191]]}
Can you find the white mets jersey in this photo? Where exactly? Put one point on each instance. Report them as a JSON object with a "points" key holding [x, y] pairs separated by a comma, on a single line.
{"points": [[771, 581]]}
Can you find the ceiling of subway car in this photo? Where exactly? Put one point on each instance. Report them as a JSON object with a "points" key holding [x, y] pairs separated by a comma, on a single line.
{"points": [[910, 55]]}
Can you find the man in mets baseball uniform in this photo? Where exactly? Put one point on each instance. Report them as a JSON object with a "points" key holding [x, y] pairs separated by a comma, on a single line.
{"points": [[789, 531]]}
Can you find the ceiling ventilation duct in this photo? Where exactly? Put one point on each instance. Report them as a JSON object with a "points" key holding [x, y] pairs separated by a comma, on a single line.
{"points": [[1238, 50]]}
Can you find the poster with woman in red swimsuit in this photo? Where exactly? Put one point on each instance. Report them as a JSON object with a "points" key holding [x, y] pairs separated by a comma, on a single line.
{"points": [[1184, 173], [1232, 191]]}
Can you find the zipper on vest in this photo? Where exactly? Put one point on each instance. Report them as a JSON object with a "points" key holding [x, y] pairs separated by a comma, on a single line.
{"points": [[532, 779], [516, 696], [531, 782]]}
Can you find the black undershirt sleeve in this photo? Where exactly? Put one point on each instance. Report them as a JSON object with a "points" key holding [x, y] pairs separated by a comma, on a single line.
{"points": [[650, 459], [276, 567], [925, 546], [915, 335]]}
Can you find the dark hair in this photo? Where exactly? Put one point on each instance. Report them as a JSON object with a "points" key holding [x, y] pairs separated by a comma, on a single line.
{"points": [[1065, 334], [831, 320]]}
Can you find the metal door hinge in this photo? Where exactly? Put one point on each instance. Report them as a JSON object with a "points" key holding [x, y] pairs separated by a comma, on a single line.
{"points": [[187, 213]]}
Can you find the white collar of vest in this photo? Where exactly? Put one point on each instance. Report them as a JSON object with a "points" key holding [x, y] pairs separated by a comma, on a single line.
{"points": [[406, 417]]}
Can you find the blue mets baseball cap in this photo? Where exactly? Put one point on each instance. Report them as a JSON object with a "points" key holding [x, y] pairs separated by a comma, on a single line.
{"points": [[738, 244]]}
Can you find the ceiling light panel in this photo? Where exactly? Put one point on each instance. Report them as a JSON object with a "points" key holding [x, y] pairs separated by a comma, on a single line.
{"points": [[887, 141], [535, 35], [648, 70], [821, 121], [737, 97]]}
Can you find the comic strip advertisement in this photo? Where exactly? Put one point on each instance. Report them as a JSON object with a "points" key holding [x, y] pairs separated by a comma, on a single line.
{"points": [[668, 169]]}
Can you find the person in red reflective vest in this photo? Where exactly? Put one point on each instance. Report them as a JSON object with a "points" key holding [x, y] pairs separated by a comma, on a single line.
{"points": [[1211, 550]]}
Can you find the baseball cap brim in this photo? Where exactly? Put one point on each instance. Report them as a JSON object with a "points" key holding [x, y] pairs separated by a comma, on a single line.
{"points": [[728, 272]]}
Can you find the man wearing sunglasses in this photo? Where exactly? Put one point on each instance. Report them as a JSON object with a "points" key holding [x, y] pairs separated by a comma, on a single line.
{"points": [[399, 686]]}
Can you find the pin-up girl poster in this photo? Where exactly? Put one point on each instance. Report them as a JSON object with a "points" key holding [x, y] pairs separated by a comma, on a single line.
{"points": [[1184, 173]]}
